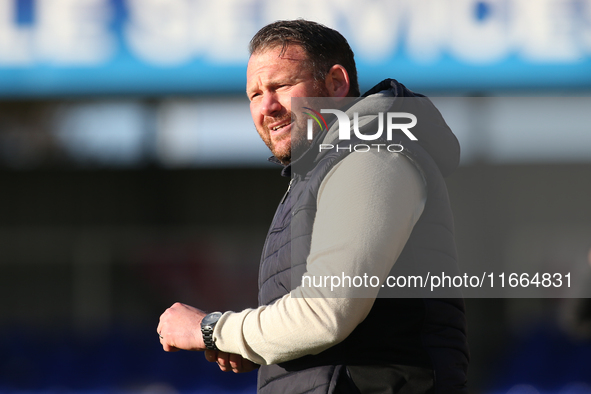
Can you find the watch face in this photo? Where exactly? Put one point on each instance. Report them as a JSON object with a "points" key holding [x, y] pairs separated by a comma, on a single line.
{"points": [[212, 318]]}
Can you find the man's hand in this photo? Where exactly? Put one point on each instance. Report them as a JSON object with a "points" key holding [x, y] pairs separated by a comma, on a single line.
{"points": [[180, 328], [230, 362]]}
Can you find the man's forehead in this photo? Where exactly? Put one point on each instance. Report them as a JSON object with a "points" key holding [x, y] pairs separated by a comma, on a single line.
{"points": [[290, 52], [274, 61]]}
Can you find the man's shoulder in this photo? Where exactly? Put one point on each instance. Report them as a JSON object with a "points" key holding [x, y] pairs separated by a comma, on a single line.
{"points": [[373, 172], [375, 161]]}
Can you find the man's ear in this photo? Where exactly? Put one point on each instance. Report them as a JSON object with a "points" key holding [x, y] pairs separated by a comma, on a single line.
{"points": [[337, 81]]}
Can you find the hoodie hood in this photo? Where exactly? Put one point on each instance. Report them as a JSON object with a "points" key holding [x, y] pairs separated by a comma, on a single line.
{"points": [[431, 131], [433, 134]]}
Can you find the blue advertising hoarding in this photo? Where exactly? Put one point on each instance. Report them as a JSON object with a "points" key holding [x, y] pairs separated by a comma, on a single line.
{"points": [[157, 47]]}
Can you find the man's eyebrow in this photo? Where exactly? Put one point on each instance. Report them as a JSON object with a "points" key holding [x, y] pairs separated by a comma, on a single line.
{"points": [[250, 91], [276, 81], [273, 84], [283, 80]]}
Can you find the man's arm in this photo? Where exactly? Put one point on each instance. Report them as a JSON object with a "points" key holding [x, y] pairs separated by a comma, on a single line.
{"points": [[367, 207]]}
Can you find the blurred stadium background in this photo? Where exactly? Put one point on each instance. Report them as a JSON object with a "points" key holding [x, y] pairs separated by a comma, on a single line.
{"points": [[126, 138]]}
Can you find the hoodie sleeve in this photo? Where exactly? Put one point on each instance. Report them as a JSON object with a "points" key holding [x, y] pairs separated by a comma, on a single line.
{"points": [[367, 207]]}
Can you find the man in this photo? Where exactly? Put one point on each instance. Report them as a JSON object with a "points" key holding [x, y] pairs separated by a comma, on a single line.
{"points": [[344, 213]]}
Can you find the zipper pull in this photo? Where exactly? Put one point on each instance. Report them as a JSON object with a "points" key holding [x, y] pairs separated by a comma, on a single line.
{"points": [[287, 192]]}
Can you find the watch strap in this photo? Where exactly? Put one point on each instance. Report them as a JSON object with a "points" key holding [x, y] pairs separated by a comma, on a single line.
{"points": [[207, 328], [207, 332]]}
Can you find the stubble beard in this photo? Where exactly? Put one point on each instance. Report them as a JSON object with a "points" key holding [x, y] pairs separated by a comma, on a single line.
{"points": [[298, 142], [283, 146], [280, 149]]}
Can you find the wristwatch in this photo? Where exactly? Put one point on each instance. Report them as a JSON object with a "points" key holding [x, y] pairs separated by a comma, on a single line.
{"points": [[207, 325]]}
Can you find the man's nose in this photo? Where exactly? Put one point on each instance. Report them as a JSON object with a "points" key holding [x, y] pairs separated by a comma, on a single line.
{"points": [[271, 105]]}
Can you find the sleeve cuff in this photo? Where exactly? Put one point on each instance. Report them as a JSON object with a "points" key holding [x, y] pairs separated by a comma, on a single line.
{"points": [[229, 337]]}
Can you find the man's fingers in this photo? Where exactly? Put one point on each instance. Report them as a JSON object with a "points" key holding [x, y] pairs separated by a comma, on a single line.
{"points": [[211, 355], [230, 362], [248, 365], [223, 361], [236, 362], [159, 329], [168, 348]]}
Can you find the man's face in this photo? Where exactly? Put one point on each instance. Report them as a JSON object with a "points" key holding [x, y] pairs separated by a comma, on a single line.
{"points": [[271, 81]]}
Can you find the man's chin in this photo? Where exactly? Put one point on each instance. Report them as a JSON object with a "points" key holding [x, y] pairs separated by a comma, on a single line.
{"points": [[282, 149], [283, 156]]}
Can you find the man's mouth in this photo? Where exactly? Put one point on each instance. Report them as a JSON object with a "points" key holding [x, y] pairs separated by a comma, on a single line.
{"points": [[280, 126]]}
